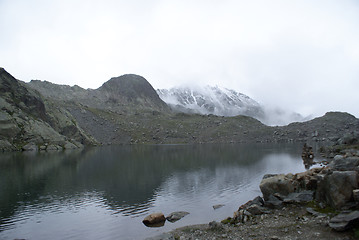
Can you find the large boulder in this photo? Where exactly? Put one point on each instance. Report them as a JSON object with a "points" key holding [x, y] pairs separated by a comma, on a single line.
{"points": [[278, 183], [336, 188], [345, 164]]}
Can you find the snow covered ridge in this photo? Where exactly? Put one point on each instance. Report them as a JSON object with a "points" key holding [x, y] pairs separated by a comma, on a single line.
{"points": [[223, 102], [210, 100]]}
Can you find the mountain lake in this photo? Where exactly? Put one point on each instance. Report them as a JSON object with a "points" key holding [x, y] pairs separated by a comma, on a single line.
{"points": [[105, 192]]}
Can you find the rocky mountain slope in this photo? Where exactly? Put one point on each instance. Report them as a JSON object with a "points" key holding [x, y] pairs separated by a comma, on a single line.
{"points": [[28, 122], [223, 102], [124, 94], [127, 110]]}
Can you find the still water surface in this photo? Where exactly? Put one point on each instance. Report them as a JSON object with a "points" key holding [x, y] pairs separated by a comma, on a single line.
{"points": [[105, 192]]}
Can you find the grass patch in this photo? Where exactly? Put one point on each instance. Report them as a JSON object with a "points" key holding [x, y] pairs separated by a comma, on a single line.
{"points": [[326, 210]]}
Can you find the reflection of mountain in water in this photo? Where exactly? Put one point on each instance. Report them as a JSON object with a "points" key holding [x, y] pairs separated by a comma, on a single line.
{"points": [[126, 177]]}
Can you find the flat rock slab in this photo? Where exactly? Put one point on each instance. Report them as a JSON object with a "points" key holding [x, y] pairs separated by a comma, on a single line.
{"points": [[273, 202], [300, 197], [175, 216], [315, 213], [344, 221]]}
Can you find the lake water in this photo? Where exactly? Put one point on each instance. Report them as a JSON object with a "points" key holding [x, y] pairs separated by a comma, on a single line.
{"points": [[105, 192]]}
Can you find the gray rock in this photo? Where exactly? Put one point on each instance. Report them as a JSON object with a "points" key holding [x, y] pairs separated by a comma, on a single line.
{"points": [[258, 200], [269, 175], [344, 221], [42, 148], [276, 184], [30, 147], [273, 202], [301, 197], [70, 145], [53, 147], [256, 210], [175, 216], [345, 164], [336, 189], [218, 206]]}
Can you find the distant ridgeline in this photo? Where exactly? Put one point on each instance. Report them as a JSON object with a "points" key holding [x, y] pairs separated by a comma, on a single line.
{"points": [[42, 116]]}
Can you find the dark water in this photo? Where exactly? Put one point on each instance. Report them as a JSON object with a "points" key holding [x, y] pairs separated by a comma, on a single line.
{"points": [[104, 193]]}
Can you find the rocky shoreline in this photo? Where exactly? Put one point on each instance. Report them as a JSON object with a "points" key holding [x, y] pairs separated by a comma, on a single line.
{"points": [[320, 203]]}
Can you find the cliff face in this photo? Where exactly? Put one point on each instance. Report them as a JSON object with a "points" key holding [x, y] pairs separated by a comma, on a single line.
{"points": [[21, 97], [28, 122]]}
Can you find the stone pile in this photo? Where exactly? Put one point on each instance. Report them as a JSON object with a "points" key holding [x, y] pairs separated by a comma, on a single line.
{"points": [[335, 185]]}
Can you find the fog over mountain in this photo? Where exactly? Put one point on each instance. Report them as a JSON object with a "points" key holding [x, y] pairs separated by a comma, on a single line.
{"points": [[224, 102]]}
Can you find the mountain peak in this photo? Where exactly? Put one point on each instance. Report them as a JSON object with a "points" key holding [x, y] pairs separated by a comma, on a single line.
{"points": [[132, 88], [210, 100], [129, 85]]}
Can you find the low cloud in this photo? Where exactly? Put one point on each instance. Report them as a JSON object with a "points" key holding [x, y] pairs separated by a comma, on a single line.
{"points": [[299, 55]]}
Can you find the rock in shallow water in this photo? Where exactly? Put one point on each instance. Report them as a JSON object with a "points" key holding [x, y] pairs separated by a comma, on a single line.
{"points": [[175, 216], [217, 206], [154, 220]]}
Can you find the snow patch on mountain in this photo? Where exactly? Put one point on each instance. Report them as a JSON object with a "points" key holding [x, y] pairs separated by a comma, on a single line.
{"points": [[223, 102], [210, 100]]}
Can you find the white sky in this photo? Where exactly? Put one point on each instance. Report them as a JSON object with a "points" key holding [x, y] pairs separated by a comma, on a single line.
{"points": [[301, 55]]}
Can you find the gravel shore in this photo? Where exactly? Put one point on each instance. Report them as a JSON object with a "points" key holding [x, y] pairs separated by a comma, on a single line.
{"points": [[290, 222]]}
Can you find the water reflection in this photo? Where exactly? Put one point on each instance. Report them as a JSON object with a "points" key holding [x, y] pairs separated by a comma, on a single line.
{"points": [[104, 188]]}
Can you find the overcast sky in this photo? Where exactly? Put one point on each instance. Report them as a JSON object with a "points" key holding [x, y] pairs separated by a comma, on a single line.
{"points": [[297, 54]]}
